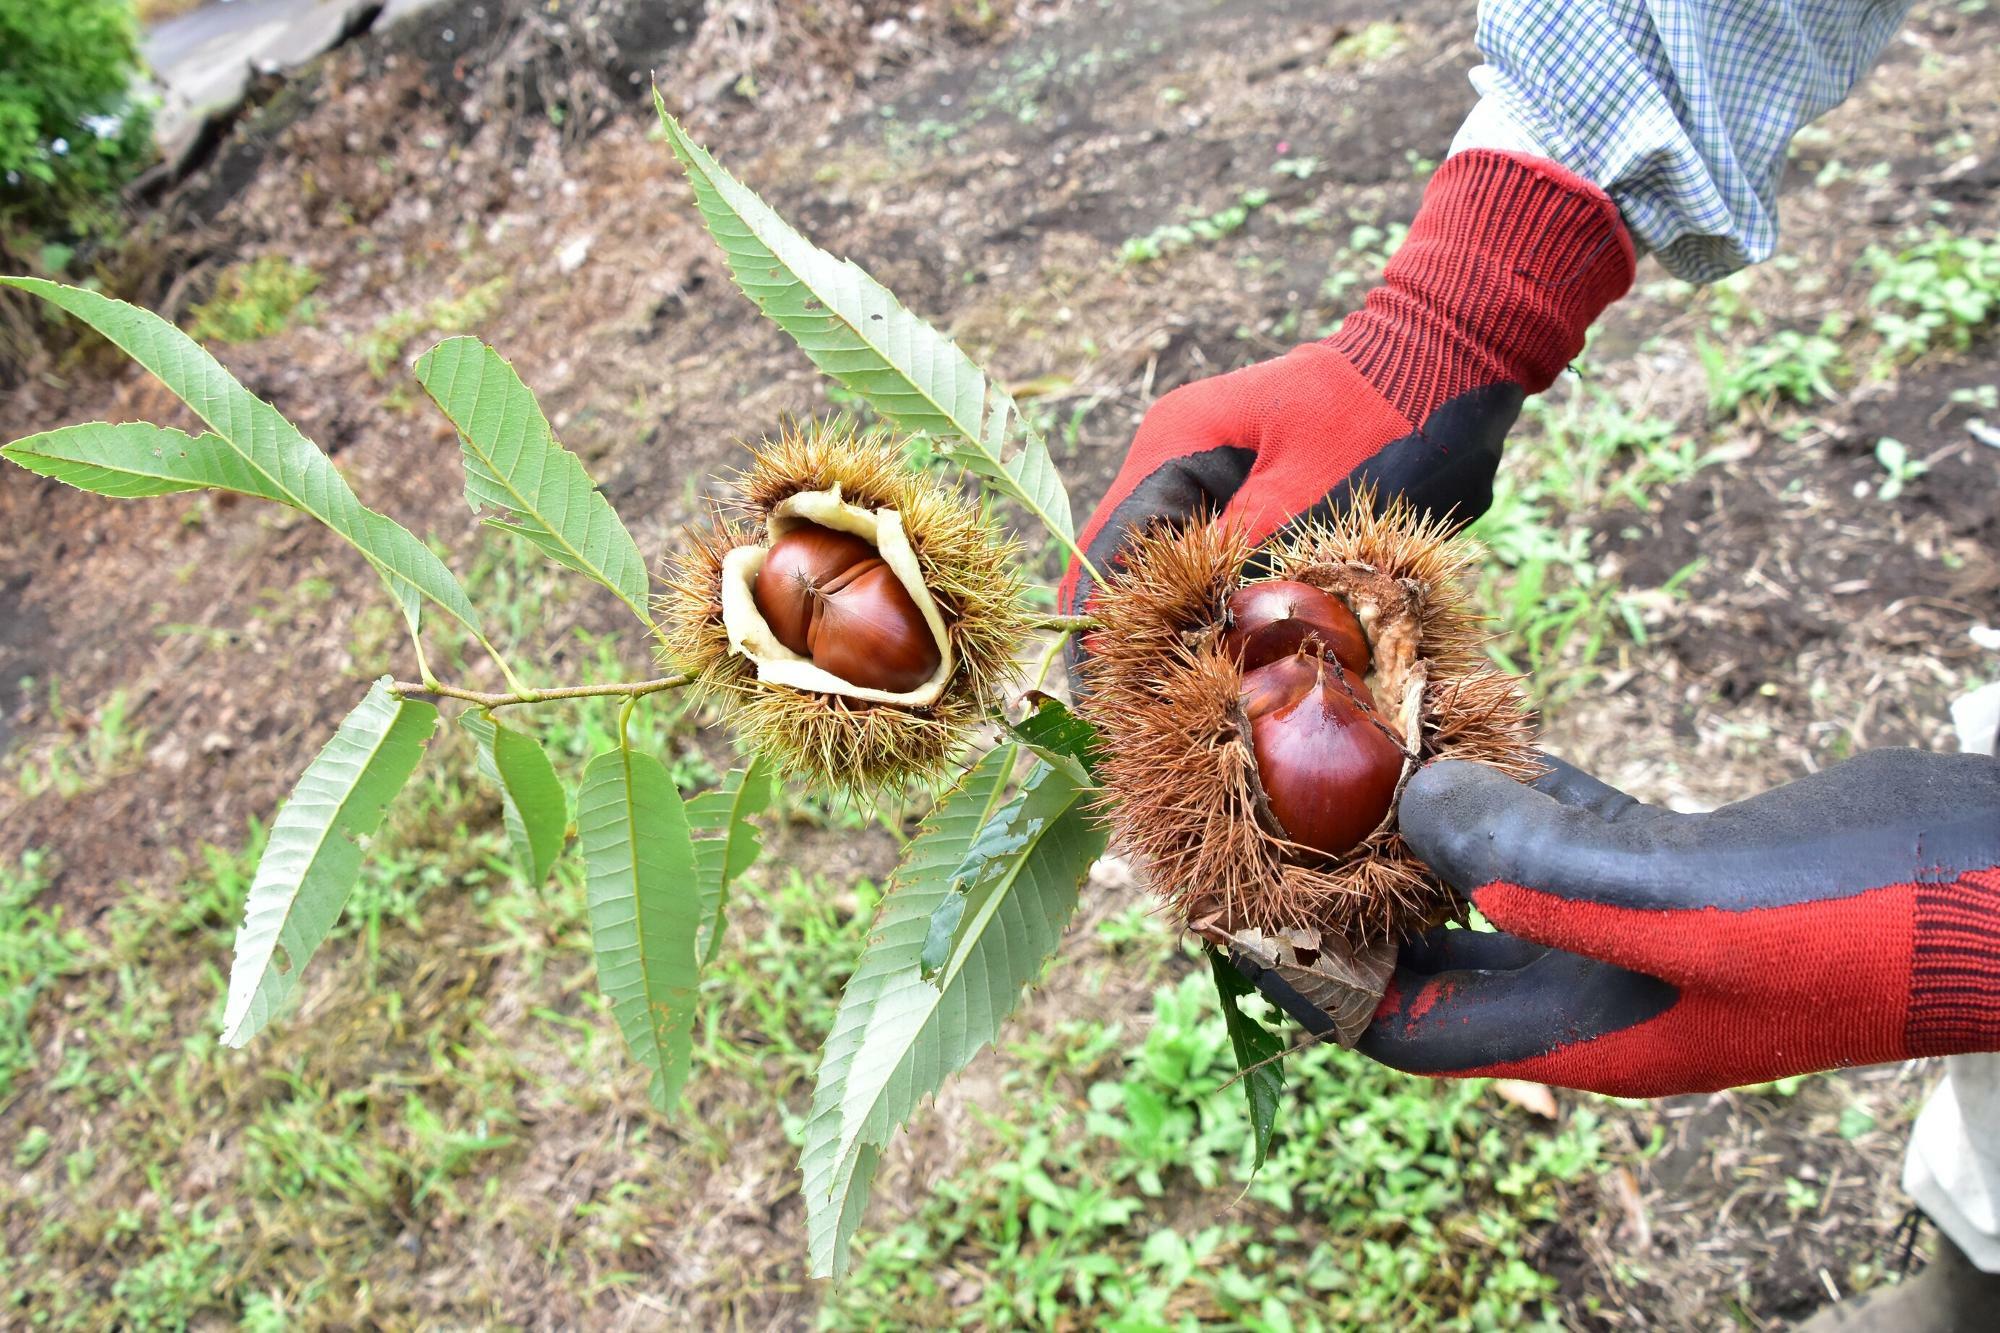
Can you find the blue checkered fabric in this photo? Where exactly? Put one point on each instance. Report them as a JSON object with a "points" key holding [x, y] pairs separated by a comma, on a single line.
{"points": [[1680, 109]]}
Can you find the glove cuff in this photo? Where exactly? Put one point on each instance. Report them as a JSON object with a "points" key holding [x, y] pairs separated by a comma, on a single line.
{"points": [[1955, 966], [1508, 261]]}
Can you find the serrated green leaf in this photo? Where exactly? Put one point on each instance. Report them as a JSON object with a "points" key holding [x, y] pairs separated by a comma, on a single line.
{"points": [[134, 461], [532, 803], [514, 465], [645, 910], [995, 861], [276, 461], [856, 331], [728, 843], [313, 856], [897, 1036], [1255, 1046], [1060, 737]]}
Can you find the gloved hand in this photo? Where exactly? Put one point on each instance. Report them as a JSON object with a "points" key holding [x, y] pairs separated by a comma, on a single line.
{"points": [[1508, 261], [1847, 918]]}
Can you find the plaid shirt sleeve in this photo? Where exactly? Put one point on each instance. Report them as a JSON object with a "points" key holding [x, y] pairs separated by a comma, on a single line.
{"points": [[1680, 109]]}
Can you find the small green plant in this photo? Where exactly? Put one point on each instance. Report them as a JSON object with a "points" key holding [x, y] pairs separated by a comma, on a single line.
{"points": [[71, 131], [36, 952], [1894, 456], [1174, 236], [1938, 293], [1359, 263], [1576, 453], [1984, 397], [383, 346], [255, 300], [1372, 41], [1790, 366], [90, 752]]}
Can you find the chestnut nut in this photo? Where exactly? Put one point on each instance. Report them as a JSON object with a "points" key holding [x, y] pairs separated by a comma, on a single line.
{"points": [[830, 597], [1328, 768], [1279, 617]]}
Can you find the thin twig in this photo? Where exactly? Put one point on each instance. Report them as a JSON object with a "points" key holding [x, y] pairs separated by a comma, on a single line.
{"points": [[402, 689], [1069, 624]]}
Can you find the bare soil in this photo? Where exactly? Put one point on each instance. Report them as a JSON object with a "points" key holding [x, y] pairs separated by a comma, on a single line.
{"points": [[987, 170]]}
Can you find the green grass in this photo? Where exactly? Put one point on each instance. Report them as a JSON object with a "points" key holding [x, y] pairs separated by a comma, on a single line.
{"points": [[1940, 292], [1172, 237], [255, 300], [384, 348], [1572, 457], [1790, 366], [87, 751], [36, 953], [1937, 294], [1387, 1201]]}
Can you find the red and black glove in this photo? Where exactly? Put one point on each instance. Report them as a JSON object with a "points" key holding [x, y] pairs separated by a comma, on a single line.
{"points": [[1848, 918], [1508, 261]]}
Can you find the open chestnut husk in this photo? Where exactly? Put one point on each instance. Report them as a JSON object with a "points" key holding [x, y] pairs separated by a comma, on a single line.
{"points": [[852, 616], [1258, 732]]}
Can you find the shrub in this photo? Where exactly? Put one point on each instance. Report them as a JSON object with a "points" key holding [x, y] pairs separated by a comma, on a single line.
{"points": [[71, 130]]}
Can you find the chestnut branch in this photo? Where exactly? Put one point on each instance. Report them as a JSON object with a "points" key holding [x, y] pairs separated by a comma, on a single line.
{"points": [[403, 689], [637, 689]]}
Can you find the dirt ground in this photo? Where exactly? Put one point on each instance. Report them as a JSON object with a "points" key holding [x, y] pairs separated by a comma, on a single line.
{"points": [[987, 163]]}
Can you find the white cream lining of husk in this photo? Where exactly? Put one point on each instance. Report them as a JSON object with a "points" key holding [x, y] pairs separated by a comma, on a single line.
{"points": [[750, 635]]}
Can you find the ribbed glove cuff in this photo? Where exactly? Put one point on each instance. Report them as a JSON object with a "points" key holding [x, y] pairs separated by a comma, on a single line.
{"points": [[1508, 262], [1955, 966]]}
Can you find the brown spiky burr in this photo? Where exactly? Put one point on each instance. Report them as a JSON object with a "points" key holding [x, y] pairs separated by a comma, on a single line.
{"points": [[1165, 685], [926, 556]]}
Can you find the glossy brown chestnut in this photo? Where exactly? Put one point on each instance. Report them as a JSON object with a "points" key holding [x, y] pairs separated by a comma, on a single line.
{"points": [[1280, 617], [806, 558], [868, 631], [1328, 768], [828, 596]]}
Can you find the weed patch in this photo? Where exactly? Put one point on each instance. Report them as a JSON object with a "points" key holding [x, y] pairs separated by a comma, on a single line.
{"points": [[1938, 293], [256, 300], [1386, 1201], [1572, 455]]}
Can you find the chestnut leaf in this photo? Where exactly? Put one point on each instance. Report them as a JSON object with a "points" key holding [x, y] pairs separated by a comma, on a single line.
{"points": [[265, 456], [1059, 736], [1001, 858], [1256, 1047], [513, 465], [313, 856], [136, 460], [897, 1035], [856, 331], [532, 804], [730, 845], [645, 911]]}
